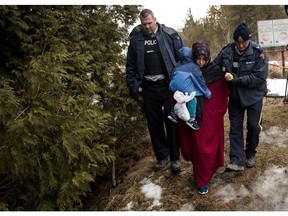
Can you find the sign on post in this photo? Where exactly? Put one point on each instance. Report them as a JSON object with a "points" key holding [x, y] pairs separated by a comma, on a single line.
{"points": [[273, 32]]}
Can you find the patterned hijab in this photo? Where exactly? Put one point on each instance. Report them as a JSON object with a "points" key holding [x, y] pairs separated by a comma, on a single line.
{"points": [[201, 48]]}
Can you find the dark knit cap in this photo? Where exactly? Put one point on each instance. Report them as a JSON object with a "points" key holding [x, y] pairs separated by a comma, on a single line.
{"points": [[242, 32]]}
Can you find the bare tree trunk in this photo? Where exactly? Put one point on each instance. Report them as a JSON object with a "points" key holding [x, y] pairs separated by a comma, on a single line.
{"points": [[113, 174]]}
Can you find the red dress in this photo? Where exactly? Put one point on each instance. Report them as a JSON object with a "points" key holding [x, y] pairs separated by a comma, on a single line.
{"points": [[205, 147]]}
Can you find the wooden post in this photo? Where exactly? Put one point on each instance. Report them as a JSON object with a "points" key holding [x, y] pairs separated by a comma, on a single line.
{"points": [[285, 74], [283, 60]]}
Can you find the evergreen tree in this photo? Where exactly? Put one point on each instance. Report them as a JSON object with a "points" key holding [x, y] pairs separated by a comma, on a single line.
{"points": [[218, 26], [55, 127], [192, 30]]}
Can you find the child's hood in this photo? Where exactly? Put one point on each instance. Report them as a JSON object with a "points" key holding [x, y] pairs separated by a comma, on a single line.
{"points": [[185, 54]]}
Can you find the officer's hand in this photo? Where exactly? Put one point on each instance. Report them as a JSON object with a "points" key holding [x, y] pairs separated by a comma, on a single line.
{"points": [[133, 94], [235, 80]]}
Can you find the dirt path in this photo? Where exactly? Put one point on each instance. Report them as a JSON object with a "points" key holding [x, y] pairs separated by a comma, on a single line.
{"points": [[263, 187]]}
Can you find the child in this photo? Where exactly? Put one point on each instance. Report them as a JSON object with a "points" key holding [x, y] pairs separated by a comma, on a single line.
{"points": [[187, 77]]}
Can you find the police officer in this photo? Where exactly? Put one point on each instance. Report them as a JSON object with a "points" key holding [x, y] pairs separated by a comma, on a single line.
{"points": [[152, 55], [246, 67]]}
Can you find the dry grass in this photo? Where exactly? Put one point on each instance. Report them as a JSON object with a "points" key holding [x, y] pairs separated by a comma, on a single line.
{"points": [[226, 190], [179, 190]]}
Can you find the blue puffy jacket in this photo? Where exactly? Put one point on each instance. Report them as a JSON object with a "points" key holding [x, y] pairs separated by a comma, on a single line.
{"points": [[187, 76]]}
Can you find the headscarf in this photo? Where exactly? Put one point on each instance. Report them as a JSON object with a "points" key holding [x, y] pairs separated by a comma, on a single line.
{"points": [[211, 72], [201, 48]]}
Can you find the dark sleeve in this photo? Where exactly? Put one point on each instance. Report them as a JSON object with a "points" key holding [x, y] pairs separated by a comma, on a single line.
{"points": [[199, 82], [259, 72], [178, 44], [212, 73], [225, 58], [131, 67], [177, 41]]}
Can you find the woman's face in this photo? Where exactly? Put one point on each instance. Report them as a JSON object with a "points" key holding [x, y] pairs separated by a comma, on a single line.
{"points": [[201, 60]]}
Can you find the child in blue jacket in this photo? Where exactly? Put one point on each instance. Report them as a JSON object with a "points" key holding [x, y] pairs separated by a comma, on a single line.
{"points": [[187, 77]]}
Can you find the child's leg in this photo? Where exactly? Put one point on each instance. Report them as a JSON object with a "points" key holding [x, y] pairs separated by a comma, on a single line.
{"points": [[172, 110], [192, 122], [191, 106]]}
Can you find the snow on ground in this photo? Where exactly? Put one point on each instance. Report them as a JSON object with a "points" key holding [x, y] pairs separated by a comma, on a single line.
{"points": [[274, 136], [276, 87], [269, 188], [277, 63], [151, 191], [268, 191]]}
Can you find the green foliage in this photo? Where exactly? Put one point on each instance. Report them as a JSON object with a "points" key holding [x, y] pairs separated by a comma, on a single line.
{"points": [[3, 207], [56, 126], [218, 26]]}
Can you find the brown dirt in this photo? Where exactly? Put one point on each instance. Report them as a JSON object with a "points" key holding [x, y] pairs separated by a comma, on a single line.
{"points": [[227, 191], [238, 191]]}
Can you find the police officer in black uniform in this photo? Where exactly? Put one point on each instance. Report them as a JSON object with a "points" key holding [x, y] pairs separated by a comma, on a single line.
{"points": [[152, 55], [246, 67]]}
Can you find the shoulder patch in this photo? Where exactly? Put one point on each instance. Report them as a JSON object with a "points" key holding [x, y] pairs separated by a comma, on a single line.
{"points": [[262, 56]]}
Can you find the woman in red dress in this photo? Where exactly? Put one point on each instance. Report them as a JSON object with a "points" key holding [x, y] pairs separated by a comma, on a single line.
{"points": [[205, 147]]}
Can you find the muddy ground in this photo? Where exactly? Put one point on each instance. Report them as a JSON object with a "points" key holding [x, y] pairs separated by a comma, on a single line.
{"points": [[261, 188]]}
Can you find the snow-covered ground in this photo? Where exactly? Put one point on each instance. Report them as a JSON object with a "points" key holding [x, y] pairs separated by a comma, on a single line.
{"points": [[276, 87], [269, 190]]}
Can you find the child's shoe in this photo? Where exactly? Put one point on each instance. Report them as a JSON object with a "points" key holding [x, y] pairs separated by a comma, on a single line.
{"points": [[172, 117], [193, 124]]}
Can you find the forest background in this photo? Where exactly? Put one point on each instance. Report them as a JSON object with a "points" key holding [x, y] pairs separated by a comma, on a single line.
{"points": [[67, 123]]}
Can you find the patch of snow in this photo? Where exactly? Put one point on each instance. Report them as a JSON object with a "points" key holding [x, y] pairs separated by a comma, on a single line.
{"points": [[275, 62], [229, 192], [268, 191], [187, 207], [276, 87], [151, 191], [128, 207], [270, 188], [274, 136]]}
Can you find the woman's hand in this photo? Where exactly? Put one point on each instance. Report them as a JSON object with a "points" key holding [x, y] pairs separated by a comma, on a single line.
{"points": [[228, 76]]}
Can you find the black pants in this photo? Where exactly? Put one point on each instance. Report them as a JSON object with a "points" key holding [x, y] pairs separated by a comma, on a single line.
{"points": [[236, 116], [158, 102]]}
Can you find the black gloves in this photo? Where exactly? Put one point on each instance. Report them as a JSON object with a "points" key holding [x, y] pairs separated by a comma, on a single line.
{"points": [[133, 94], [236, 80]]}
